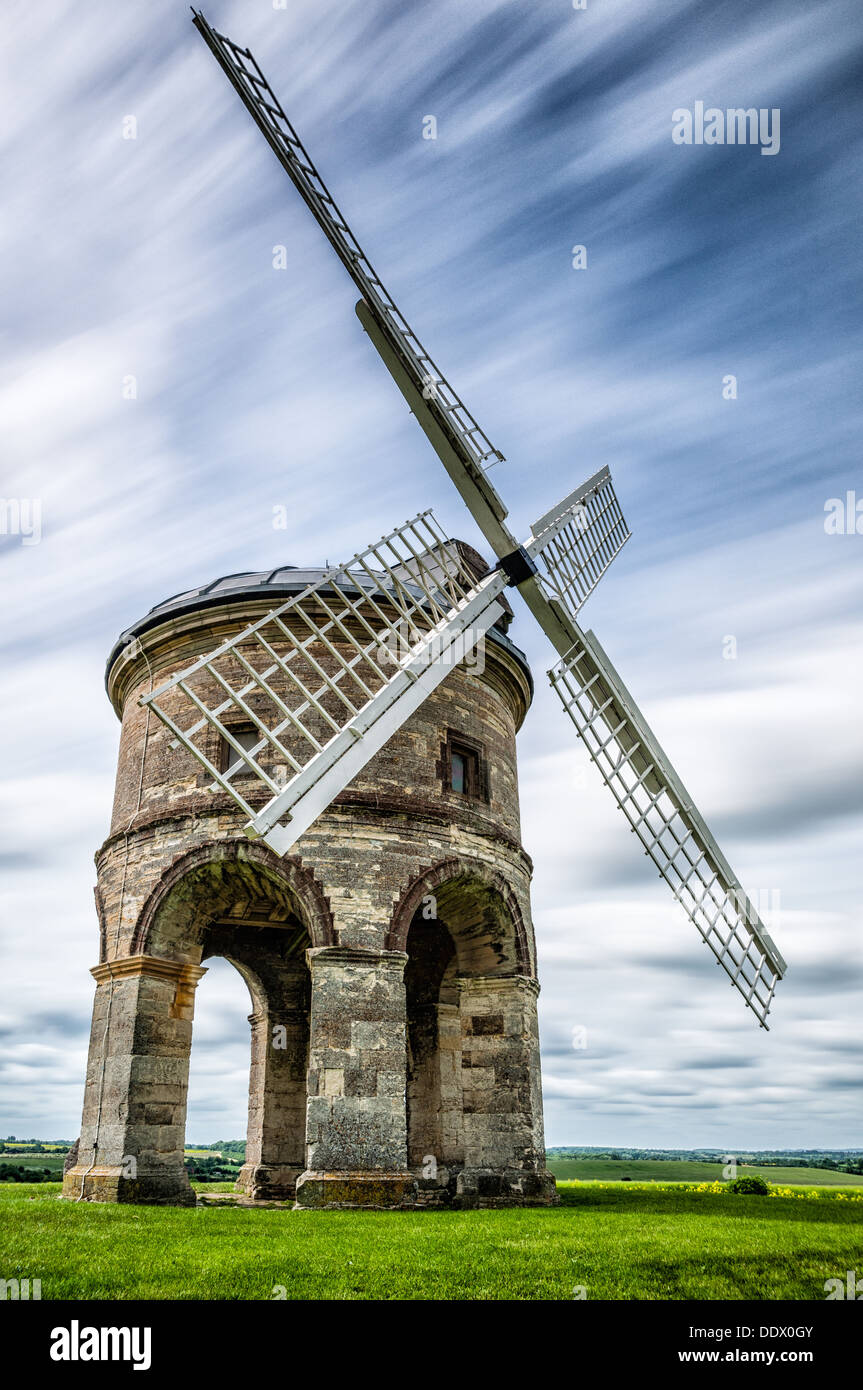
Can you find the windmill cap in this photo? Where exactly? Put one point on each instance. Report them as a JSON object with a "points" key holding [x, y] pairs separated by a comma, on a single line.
{"points": [[274, 586]]}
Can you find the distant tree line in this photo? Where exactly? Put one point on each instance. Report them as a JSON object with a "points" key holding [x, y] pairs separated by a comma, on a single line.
{"points": [[33, 1146], [236, 1148], [230, 1154], [17, 1172], [212, 1169], [839, 1160]]}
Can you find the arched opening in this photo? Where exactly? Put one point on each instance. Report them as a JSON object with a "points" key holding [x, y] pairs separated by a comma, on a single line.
{"points": [[227, 906], [433, 1037], [465, 955], [272, 961], [218, 1096]]}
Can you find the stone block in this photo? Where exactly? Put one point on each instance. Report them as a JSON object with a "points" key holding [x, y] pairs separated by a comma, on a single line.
{"points": [[381, 1191]]}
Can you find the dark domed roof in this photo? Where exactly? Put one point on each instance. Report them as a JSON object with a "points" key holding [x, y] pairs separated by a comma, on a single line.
{"points": [[272, 586]]}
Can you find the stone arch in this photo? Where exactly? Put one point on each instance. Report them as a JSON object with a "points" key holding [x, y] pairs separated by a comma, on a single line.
{"points": [[468, 956], [237, 901], [171, 918], [475, 901]]}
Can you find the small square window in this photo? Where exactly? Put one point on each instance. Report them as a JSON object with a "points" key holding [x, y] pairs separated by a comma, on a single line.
{"points": [[246, 736], [462, 768]]}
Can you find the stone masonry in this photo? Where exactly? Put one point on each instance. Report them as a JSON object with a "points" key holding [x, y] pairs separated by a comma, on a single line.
{"points": [[390, 959]]}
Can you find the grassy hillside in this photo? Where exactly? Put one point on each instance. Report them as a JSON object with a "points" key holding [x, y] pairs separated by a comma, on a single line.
{"points": [[34, 1162], [620, 1242], [681, 1170]]}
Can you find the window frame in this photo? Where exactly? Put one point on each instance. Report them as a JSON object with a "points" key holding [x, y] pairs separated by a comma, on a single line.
{"points": [[476, 767], [226, 752]]}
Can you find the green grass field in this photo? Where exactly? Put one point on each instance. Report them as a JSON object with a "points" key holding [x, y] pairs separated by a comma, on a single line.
{"points": [[617, 1241], [681, 1170], [54, 1161], [50, 1151]]}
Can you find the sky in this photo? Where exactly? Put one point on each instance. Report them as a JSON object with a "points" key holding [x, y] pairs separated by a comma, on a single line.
{"points": [[164, 390]]}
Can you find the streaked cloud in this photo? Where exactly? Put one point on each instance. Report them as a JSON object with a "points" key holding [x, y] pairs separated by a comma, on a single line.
{"points": [[152, 258]]}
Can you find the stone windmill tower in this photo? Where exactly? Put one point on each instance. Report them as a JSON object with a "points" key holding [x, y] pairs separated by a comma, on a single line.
{"points": [[390, 957]]}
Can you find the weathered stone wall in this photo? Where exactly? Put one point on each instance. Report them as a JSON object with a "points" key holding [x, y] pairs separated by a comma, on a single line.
{"points": [[176, 862], [135, 1096]]}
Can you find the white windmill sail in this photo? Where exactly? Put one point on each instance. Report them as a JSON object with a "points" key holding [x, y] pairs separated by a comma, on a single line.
{"points": [[266, 109], [325, 679], [455, 433], [554, 571], [578, 539], [661, 812]]}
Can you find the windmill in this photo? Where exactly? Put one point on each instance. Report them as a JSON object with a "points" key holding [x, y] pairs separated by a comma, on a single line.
{"points": [[326, 679]]}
